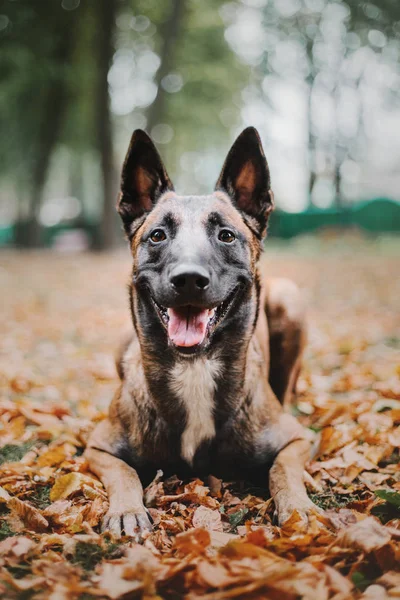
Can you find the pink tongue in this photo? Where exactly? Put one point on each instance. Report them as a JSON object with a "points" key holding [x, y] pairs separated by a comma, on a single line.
{"points": [[187, 326]]}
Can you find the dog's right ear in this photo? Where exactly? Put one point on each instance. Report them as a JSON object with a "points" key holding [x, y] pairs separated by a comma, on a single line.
{"points": [[143, 179]]}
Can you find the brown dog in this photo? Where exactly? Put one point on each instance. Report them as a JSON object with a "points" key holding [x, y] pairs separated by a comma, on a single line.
{"points": [[214, 354]]}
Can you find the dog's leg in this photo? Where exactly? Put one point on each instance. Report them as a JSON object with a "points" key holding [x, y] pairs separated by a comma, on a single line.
{"points": [[125, 492], [287, 336], [286, 482]]}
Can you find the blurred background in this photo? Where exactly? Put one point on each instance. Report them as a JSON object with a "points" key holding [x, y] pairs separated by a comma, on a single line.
{"points": [[320, 79]]}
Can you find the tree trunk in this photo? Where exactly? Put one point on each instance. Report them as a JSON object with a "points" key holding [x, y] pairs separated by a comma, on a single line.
{"points": [[54, 108], [170, 33], [106, 12], [338, 186], [312, 175], [312, 170], [311, 180]]}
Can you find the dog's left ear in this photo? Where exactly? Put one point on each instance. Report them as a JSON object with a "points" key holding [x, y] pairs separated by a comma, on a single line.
{"points": [[245, 177], [143, 179]]}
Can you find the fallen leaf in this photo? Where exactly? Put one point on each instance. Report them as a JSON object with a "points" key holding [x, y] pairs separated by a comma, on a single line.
{"points": [[194, 541], [52, 457], [56, 381], [30, 516], [214, 574], [366, 535], [66, 485], [18, 546], [207, 518]]}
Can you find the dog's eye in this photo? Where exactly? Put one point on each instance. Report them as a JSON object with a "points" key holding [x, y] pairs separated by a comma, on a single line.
{"points": [[158, 235], [226, 236]]}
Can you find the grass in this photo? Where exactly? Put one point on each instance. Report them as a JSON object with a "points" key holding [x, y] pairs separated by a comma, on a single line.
{"points": [[330, 500], [19, 571], [390, 508], [87, 554], [361, 582], [237, 517], [5, 531], [41, 496], [14, 452]]}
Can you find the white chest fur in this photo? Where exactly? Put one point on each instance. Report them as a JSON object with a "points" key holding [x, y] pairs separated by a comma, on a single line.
{"points": [[194, 383]]}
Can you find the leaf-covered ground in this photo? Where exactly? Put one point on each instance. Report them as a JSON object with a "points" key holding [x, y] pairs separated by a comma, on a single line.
{"points": [[62, 318]]}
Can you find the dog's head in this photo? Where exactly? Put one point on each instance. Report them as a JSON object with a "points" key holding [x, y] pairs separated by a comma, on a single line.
{"points": [[194, 256]]}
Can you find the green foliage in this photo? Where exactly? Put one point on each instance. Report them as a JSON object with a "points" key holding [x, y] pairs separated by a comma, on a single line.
{"points": [[360, 581], [315, 428], [237, 517], [44, 47], [14, 452], [30, 63], [212, 81], [87, 554], [5, 530], [328, 500], [393, 342], [41, 496], [388, 510], [389, 496]]}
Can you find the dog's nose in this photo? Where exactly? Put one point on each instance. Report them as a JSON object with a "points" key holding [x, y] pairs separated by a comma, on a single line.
{"points": [[188, 279]]}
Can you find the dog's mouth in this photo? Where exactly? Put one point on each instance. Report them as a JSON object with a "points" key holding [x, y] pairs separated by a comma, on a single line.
{"points": [[189, 326]]}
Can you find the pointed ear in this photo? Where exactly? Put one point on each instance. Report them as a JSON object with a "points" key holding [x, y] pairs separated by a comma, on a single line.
{"points": [[245, 178], [143, 179]]}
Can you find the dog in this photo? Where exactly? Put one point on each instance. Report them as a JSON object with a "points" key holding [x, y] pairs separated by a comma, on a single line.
{"points": [[215, 352]]}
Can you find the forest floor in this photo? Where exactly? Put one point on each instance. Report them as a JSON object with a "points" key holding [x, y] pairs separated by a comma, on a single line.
{"points": [[62, 318]]}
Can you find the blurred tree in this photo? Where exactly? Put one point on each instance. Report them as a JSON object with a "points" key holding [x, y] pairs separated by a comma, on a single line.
{"points": [[320, 46], [106, 12], [171, 31], [196, 105], [55, 100], [55, 64], [34, 60], [78, 75]]}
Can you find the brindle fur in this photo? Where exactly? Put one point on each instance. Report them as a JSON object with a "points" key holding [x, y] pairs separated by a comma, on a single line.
{"points": [[248, 371]]}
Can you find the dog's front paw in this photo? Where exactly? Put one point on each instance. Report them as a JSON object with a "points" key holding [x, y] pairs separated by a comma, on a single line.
{"points": [[285, 507], [134, 522]]}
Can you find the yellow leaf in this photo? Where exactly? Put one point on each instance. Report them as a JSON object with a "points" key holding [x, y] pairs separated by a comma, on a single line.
{"points": [[54, 456], [66, 485]]}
